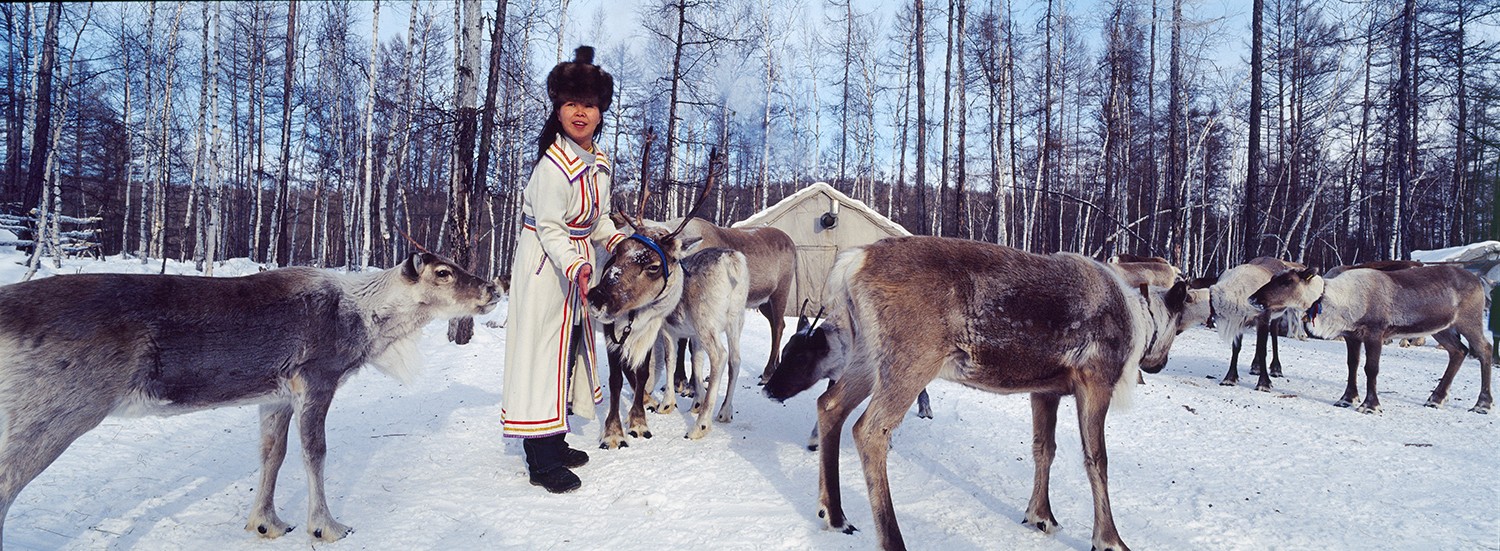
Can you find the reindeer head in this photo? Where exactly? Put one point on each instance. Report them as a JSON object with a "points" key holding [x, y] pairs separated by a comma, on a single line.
{"points": [[808, 356], [1164, 313], [642, 273], [1295, 289], [439, 283]]}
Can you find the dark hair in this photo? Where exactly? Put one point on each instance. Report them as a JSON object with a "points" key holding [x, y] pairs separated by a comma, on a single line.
{"points": [[553, 128]]}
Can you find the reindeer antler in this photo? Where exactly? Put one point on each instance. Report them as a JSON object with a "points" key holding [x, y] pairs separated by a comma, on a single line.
{"points": [[413, 242], [713, 166], [640, 210]]}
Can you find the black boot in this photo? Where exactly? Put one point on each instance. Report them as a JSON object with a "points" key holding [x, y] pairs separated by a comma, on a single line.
{"points": [[545, 461], [558, 480], [574, 459]]}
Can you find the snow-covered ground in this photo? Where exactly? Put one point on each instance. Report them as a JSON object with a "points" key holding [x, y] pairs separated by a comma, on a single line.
{"points": [[1192, 466]]}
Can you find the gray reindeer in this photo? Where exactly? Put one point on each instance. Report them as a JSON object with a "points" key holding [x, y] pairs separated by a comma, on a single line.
{"points": [[77, 348], [1369, 306]]}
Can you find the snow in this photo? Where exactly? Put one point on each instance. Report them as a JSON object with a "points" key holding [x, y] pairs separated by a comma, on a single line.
{"points": [[1192, 466], [1473, 252]]}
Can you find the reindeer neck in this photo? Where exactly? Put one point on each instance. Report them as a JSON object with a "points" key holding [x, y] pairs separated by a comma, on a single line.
{"points": [[391, 312], [1330, 314]]}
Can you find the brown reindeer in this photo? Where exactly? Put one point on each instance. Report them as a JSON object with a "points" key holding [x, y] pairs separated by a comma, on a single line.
{"points": [[1367, 307], [908, 310], [1382, 265]]}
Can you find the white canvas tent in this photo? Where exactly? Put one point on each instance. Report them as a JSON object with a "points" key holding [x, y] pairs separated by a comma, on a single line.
{"points": [[822, 221]]}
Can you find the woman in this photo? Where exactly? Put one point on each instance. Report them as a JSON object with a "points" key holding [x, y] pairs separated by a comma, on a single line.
{"points": [[549, 352]]}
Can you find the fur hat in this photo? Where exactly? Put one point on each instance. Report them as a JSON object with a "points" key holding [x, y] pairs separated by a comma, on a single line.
{"points": [[580, 79]]}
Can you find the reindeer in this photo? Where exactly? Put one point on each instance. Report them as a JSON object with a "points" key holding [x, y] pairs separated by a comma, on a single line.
{"points": [[1144, 270], [77, 348], [773, 259], [1231, 314], [911, 309], [657, 292], [1366, 307]]}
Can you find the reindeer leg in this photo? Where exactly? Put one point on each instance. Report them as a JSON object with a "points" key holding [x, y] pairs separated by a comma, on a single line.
{"points": [[704, 402], [732, 339], [649, 386], [668, 403], [834, 406], [772, 312], [613, 437], [1372, 372], [1232, 377], [275, 418], [637, 377], [1258, 365], [924, 405], [683, 388], [1093, 404], [872, 436], [312, 413], [1484, 351], [1043, 448], [1275, 356], [1449, 339], [39, 425], [1351, 390]]}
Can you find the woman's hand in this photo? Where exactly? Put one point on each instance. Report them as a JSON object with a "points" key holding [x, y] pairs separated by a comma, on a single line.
{"points": [[585, 272]]}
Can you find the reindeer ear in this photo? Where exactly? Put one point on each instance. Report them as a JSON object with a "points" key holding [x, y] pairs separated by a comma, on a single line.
{"points": [[1307, 273], [1146, 291], [1203, 282], [621, 221], [412, 268], [1177, 296], [801, 323]]}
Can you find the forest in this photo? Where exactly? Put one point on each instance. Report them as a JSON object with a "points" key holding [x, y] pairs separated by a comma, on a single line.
{"points": [[347, 134]]}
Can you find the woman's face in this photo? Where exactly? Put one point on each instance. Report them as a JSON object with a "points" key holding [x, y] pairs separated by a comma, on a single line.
{"points": [[579, 120]]}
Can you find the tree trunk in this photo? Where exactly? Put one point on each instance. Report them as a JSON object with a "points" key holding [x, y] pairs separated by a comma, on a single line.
{"points": [[919, 47], [214, 202], [41, 136], [281, 247], [1250, 246], [487, 126], [1176, 161], [461, 219], [363, 211], [960, 213]]}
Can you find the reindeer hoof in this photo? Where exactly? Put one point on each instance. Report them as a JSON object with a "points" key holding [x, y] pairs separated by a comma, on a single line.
{"points": [[1043, 525], [640, 434], [1229, 382], [1481, 409], [1343, 403], [1368, 409]]}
